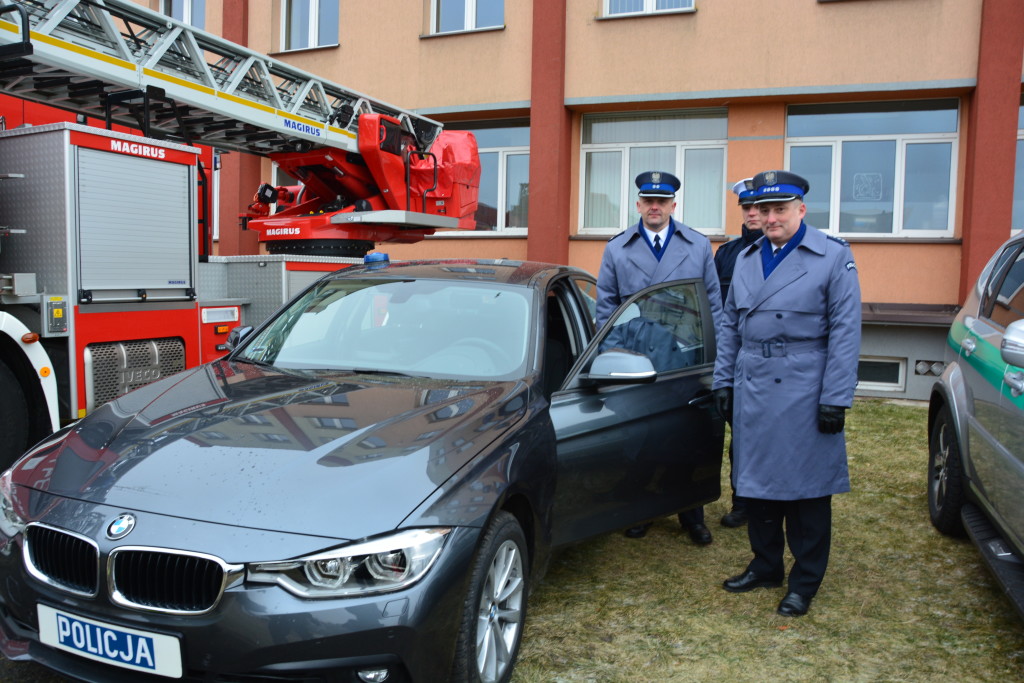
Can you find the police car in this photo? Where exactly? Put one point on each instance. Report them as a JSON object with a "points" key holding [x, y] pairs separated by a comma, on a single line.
{"points": [[976, 422]]}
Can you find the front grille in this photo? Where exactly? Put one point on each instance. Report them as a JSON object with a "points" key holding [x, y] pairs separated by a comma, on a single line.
{"points": [[62, 559], [116, 368], [166, 581]]}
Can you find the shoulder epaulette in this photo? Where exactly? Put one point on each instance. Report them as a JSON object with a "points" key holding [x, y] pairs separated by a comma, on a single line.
{"points": [[616, 235], [840, 240]]}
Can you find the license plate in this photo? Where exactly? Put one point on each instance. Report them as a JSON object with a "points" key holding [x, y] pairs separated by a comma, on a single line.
{"points": [[153, 653]]}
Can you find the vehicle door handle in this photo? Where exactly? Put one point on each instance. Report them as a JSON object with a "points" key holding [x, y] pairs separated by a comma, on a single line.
{"points": [[968, 345], [1016, 382]]}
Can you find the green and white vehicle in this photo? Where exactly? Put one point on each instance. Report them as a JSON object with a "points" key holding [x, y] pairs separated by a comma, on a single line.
{"points": [[976, 422]]}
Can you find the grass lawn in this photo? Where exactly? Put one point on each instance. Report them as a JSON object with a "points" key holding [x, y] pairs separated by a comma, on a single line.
{"points": [[900, 602]]}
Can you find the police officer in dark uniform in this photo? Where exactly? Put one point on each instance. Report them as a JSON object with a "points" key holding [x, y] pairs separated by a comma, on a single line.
{"points": [[657, 249], [725, 262], [786, 373]]}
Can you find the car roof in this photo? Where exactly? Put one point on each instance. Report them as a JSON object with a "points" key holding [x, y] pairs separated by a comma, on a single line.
{"points": [[504, 271]]}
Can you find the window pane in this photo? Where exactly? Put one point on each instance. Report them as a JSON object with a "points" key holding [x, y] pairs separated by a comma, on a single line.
{"points": [[872, 118], [866, 189], [298, 24], [815, 165], [926, 186], [625, 6], [176, 9], [704, 125], [673, 4], [649, 159], [487, 199], [500, 136], [327, 23], [1017, 222], [451, 15], [603, 190], [517, 189], [490, 13], [703, 180]]}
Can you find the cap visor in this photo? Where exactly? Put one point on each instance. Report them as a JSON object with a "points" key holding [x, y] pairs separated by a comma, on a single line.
{"points": [[777, 198]]}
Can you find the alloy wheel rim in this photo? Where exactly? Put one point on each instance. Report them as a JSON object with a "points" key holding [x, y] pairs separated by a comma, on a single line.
{"points": [[499, 619], [939, 469]]}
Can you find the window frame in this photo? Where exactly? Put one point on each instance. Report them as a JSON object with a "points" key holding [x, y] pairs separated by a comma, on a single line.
{"points": [[627, 211], [1018, 182], [313, 31], [187, 12], [469, 23], [650, 8], [504, 152], [902, 142], [901, 383]]}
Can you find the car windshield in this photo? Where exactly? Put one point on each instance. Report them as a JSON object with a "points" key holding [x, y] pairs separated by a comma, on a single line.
{"points": [[415, 327]]}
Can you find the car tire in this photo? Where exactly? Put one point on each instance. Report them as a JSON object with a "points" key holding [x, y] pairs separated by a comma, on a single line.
{"points": [[946, 486], [495, 609], [13, 418]]}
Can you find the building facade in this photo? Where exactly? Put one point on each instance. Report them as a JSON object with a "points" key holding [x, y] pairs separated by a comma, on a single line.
{"points": [[905, 115]]}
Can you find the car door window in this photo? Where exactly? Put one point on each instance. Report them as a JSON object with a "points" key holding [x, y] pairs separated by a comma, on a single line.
{"points": [[1007, 305], [587, 294], [665, 323], [1003, 293]]}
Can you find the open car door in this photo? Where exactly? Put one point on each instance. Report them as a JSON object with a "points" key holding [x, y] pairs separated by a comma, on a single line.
{"points": [[637, 434]]}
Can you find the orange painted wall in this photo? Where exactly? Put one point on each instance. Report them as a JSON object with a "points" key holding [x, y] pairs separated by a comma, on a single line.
{"points": [[795, 43]]}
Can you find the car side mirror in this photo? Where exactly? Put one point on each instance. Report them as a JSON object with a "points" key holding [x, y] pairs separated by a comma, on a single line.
{"points": [[236, 335], [620, 367], [1012, 348]]}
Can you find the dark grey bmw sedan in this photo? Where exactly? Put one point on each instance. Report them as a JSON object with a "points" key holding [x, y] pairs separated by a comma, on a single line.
{"points": [[366, 486]]}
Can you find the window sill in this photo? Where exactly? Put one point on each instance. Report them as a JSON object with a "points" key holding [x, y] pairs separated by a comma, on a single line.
{"points": [[306, 49], [486, 29], [478, 234], [637, 15]]}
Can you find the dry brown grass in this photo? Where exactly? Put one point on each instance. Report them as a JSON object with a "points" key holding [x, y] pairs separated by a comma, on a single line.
{"points": [[900, 602]]}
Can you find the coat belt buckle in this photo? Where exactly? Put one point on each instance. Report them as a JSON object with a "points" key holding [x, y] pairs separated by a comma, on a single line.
{"points": [[766, 349]]}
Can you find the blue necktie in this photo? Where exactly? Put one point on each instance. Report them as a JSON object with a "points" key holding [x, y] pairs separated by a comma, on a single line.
{"points": [[657, 243]]}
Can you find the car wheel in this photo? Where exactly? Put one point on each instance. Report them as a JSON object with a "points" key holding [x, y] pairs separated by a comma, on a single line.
{"points": [[495, 611], [946, 494]]}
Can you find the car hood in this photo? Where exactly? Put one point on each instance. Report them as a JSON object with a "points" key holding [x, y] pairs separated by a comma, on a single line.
{"points": [[231, 443]]}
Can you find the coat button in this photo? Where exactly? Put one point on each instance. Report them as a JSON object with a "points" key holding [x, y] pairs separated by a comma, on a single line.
{"points": [[778, 380], [778, 315]]}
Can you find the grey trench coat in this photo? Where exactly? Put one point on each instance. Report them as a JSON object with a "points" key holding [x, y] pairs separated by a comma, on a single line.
{"points": [[788, 344]]}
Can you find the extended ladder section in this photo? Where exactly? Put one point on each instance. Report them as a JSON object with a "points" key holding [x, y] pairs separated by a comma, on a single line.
{"points": [[371, 172], [100, 57]]}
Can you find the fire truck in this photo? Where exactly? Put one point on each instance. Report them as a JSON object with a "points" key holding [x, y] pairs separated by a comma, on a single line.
{"points": [[107, 277]]}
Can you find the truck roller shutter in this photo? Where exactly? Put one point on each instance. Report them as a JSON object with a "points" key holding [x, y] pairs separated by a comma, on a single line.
{"points": [[135, 227]]}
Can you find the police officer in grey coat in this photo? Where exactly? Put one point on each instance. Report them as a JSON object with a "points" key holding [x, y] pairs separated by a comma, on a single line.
{"points": [[658, 249], [786, 372]]}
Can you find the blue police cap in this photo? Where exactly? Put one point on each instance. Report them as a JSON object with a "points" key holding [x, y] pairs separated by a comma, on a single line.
{"points": [[779, 186], [744, 189], [657, 184]]}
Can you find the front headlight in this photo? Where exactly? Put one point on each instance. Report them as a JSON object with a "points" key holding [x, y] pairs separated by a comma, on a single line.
{"points": [[382, 564], [11, 523]]}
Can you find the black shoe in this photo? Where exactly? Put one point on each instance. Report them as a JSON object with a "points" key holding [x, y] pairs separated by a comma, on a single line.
{"points": [[794, 605], [734, 518], [700, 534], [748, 581], [638, 531]]}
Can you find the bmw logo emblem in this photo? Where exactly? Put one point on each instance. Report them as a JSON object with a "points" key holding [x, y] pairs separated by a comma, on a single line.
{"points": [[121, 526]]}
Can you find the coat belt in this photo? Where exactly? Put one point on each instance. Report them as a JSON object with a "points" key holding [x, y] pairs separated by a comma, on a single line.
{"points": [[776, 349]]}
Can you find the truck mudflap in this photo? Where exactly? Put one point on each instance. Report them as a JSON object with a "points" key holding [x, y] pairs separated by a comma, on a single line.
{"points": [[1005, 564]]}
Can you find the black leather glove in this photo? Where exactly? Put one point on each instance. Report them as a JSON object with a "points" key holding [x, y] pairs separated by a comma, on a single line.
{"points": [[723, 402], [831, 419]]}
